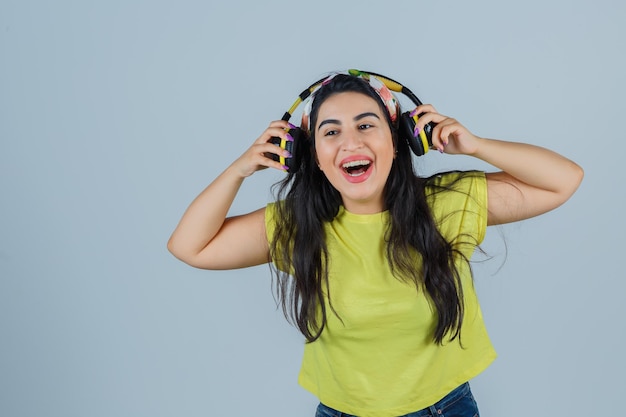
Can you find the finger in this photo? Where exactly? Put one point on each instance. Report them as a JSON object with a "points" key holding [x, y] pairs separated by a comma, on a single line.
{"points": [[438, 142], [284, 124], [259, 157], [270, 154], [432, 119], [275, 131], [442, 132], [425, 118], [267, 162], [424, 108], [281, 123], [272, 148], [420, 126]]}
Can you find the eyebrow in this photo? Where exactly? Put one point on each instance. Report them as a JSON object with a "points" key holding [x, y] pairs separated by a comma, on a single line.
{"points": [[356, 118]]}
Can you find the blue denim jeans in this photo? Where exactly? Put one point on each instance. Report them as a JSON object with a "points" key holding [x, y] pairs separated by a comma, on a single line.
{"points": [[458, 403]]}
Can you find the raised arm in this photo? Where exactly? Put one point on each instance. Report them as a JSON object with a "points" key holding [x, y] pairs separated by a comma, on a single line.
{"points": [[532, 180], [205, 237]]}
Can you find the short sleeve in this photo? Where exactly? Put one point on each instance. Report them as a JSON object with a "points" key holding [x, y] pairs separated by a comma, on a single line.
{"points": [[458, 201], [270, 224], [270, 228]]}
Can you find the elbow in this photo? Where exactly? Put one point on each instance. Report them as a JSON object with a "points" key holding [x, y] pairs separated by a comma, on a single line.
{"points": [[174, 249], [171, 247], [576, 177], [571, 181], [178, 252], [189, 256], [581, 174]]}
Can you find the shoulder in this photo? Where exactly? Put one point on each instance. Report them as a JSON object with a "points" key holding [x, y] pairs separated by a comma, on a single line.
{"points": [[275, 214], [456, 182], [270, 216], [458, 201]]}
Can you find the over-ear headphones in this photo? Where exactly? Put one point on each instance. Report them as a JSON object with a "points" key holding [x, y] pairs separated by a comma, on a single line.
{"points": [[419, 143]]}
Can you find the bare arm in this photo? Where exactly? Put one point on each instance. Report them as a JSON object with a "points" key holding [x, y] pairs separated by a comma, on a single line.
{"points": [[532, 180], [205, 237]]}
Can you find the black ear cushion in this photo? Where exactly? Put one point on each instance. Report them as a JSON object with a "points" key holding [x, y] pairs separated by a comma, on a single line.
{"points": [[294, 147], [407, 126]]}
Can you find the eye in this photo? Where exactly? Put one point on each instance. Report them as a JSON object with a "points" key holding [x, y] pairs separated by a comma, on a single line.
{"points": [[364, 126], [331, 132]]}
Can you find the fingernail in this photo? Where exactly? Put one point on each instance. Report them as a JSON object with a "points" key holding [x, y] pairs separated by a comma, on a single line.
{"points": [[416, 131], [413, 113], [289, 138], [287, 154], [285, 168], [293, 126]]}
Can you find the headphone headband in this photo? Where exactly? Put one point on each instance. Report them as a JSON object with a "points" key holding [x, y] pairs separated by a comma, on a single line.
{"points": [[391, 84], [394, 86]]}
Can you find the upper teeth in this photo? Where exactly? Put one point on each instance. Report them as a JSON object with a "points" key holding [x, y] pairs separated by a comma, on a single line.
{"points": [[355, 163]]}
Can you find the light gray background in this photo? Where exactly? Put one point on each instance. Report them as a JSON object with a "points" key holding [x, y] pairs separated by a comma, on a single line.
{"points": [[115, 114]]}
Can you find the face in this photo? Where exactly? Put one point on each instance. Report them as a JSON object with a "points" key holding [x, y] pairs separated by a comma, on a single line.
{"points": [[355, 150]]}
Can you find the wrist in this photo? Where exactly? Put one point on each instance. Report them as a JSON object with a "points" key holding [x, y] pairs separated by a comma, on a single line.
{"points": [[235, 173], [480, 147]]}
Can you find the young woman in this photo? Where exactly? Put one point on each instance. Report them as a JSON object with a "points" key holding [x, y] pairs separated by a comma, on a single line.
{"points": [[372, 260]]}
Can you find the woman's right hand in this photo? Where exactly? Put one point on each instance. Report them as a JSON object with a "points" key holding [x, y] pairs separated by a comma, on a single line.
{"points": [[255, 159]]}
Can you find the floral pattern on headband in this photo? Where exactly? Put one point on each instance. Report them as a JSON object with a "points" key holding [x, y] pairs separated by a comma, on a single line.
{"points": [[387, 97]]}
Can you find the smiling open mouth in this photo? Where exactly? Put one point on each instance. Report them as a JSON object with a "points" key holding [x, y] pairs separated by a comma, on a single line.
{"points": [[356, 168]]}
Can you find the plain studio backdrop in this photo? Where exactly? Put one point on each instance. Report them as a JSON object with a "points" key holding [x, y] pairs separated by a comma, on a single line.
{"points": [[114, 115]]}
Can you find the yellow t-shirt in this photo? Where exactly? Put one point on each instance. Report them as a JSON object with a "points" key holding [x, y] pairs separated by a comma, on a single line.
{"points": [[379, 359]]}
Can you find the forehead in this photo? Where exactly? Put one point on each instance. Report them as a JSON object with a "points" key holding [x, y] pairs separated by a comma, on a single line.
{"points": [[347, 103]]}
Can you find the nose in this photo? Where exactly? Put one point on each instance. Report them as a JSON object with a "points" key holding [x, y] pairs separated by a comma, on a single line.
{"points": [[351, 140]]}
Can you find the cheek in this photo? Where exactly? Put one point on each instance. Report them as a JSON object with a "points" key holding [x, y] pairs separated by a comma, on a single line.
{"points": [[324, 156]]}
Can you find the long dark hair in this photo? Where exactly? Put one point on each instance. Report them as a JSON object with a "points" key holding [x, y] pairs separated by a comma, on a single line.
{"points": [[306, 200]]}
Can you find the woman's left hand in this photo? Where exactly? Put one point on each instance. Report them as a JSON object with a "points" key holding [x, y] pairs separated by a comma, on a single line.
{"points": [[448, 135]]}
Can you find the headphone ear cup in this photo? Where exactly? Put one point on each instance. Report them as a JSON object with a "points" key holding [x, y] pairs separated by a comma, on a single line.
{"points": [[419, 145], [294, 148], [299, 140]]}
